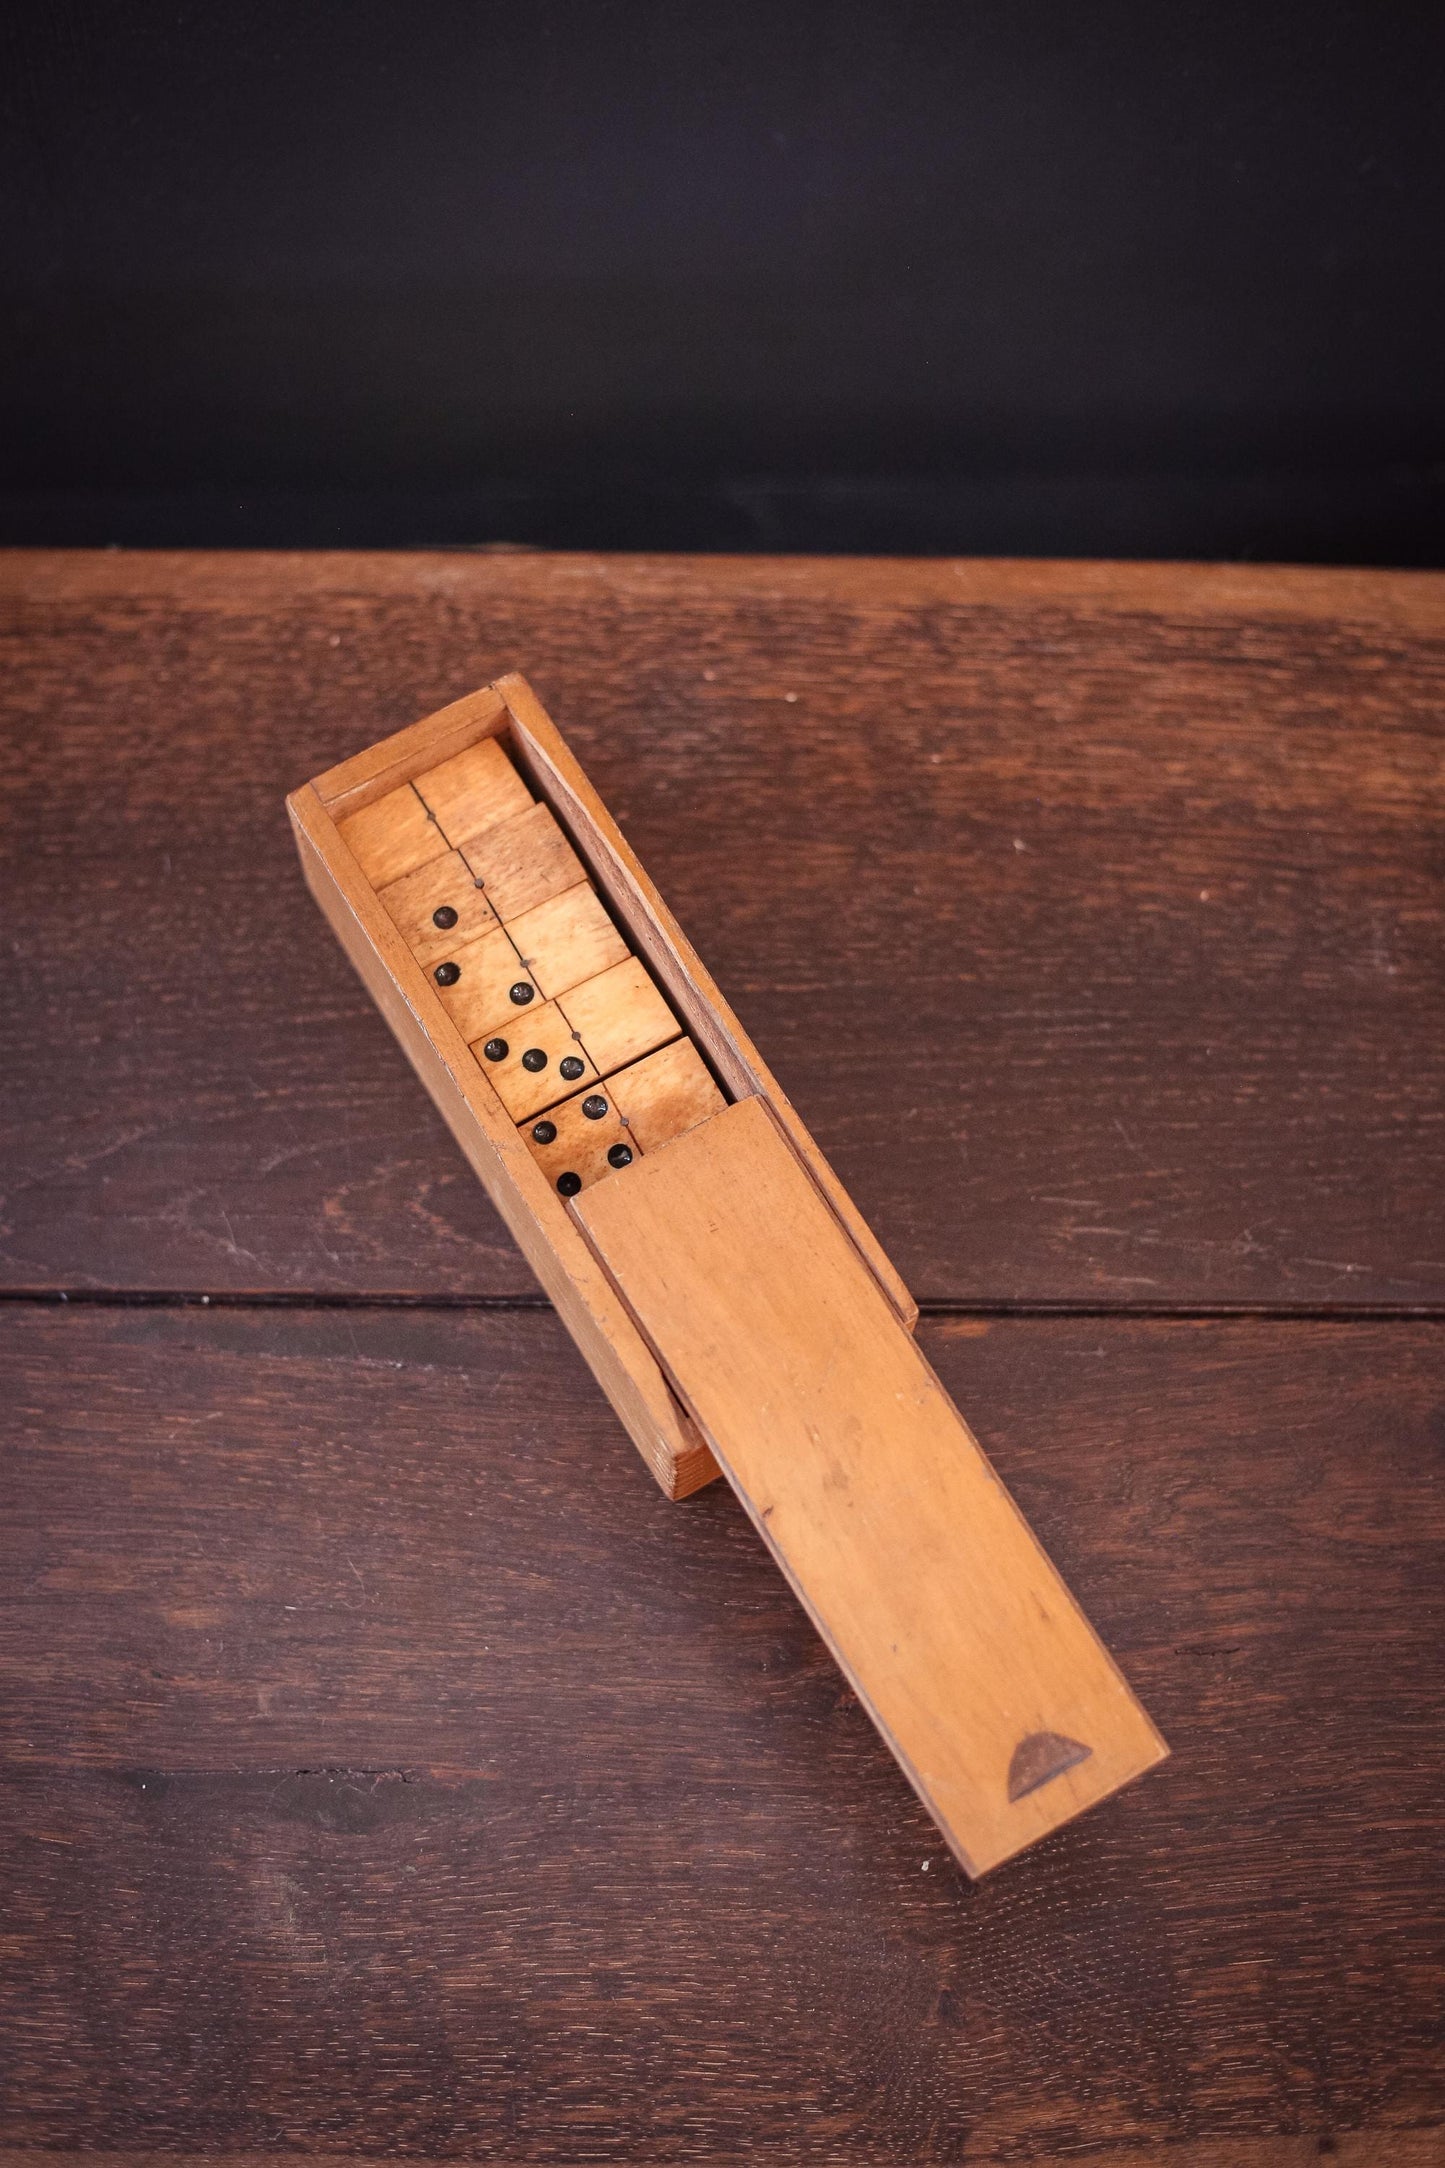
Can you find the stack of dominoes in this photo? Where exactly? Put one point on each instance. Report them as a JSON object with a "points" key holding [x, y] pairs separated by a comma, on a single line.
{"points": [[490, 897]]}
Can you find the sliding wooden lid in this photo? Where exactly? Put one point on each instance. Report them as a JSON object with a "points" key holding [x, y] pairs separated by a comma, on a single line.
{"points": [[1003, 1707]]}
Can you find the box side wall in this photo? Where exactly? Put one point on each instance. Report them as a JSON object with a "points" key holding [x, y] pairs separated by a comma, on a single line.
{"points": [[367, 776], [680, 971]]}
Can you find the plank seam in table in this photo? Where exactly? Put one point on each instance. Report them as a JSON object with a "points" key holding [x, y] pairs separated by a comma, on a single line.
{"points": [[647, 1833]]}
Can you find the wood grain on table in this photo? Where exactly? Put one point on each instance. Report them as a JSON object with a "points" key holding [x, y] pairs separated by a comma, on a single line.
{"points": [[388, 1768]]}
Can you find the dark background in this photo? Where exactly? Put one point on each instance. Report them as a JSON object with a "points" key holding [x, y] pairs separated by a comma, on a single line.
{"points": [[1148, 279]]}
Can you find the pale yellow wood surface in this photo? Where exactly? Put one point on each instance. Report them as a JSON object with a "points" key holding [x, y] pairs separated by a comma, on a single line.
{"points": [[522, 1087], [669, 1092], [481, 1000], [689, 985], [566, 940], [1002, 1706], [472, 791], [524, 861], [445, 886], [567, 1140], [369, 775], [539, 1222], [392, 837], [619, 1016]]}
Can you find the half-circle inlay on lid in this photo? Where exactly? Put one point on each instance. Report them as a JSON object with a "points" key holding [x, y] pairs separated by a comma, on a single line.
{"points": [[1039, 1757]]}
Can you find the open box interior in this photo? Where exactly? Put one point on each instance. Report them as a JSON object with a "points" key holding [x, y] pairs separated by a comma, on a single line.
{"points": [[530, 945]]}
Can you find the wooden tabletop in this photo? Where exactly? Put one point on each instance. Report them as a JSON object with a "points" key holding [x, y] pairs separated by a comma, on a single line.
{"points": [[388, 1767]]}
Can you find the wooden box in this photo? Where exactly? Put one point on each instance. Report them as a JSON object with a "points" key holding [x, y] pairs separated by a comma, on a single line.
{"points": [[731, 1302]]}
